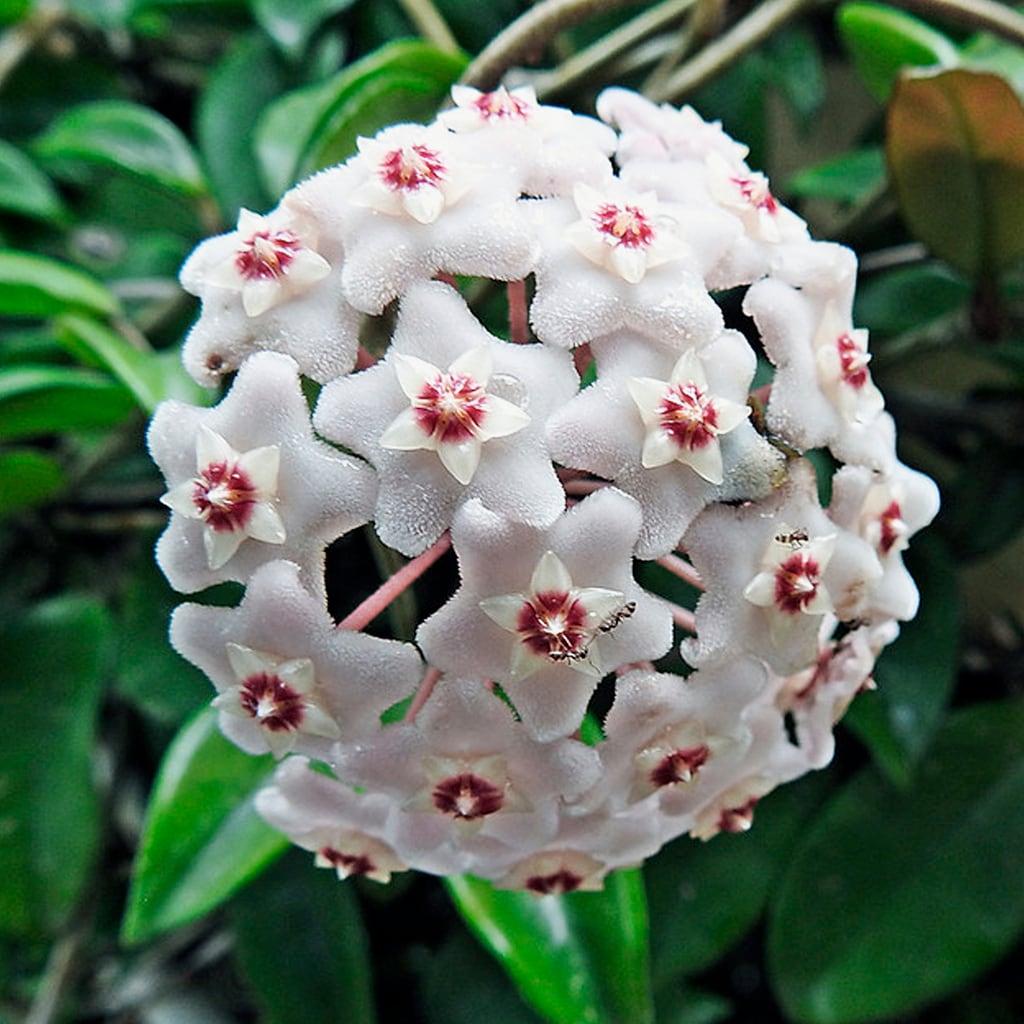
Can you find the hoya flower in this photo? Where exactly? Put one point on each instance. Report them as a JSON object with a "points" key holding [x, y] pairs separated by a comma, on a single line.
{"points": [[772, 570], [544, 149], [842, 360], [684, 420], [276, 695], [273, 284], [811, 402], [746, 194], [287, 679], [273, 259], [248, 482], [556, 872], [417, 203], [628, 428], [733, 811], [451, 413], [627, 235], [545, 613], [234, 495], [345, 830], [622, 267]]}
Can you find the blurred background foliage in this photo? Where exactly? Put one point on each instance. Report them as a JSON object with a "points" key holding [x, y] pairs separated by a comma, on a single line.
{"points": [[137, 883]]}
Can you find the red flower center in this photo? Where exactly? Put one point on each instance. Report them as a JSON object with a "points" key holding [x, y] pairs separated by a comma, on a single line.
{"points": [[557, 882], [755, 191], [553, 626], [467, 796], [451, 407], [738, 819], [224, 496], [501, 105], [410, 167], [265, 255], [349, 864], [272, 702], [626, 225], [679, 766], [796, 582], [892, 527], [853, 361], [688, 415]]}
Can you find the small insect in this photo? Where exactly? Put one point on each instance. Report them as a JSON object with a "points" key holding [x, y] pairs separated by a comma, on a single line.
{"points": [[575, 655], [616, 617], [795, 538]]}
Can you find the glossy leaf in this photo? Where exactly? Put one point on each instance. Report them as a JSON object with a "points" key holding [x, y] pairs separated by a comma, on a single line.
{"points": [[24, 189], [134, 138], [202, 839], [796, 68], [850, 178], [27, 477], [483, 993], [916, 674], [52, 399], [955, 144], [883, 41], [292, 23], [704, 897], [248, 77], [580, 957], [894, 899], [38, 286], [909, 298], [315, 127], [56, 658], [327, 964], [95, 343], [150, 673]]}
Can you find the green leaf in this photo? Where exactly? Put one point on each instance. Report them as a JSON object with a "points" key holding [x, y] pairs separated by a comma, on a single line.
{"points": [[894, 899], [56, 657], [37, 286], [315, 127], [127, 136], [796, 68], [150, 672], [909, 298], [27, 477], [850, 178], [25, 190], [883, 41], [52, 399], [704, 897], [327, 965], [484, 992], [579, 957], [248, 77], [291, 23], [916, 674], [955, 144], [94, 343], [203, 839]]}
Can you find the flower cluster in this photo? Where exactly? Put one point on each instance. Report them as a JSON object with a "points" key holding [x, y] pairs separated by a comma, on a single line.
{"points": [[529, 730]]}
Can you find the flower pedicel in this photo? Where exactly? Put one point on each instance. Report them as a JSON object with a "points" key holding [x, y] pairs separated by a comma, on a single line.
{"points": [[527, 732]]}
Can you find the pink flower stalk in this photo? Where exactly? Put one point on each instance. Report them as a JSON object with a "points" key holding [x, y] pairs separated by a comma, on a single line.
{"points": [[591, 476]]}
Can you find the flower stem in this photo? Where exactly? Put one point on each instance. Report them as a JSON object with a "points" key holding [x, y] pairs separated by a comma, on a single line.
{"points": [[681, 568], [369, 609], [683, 618], [427, 685], [608, 47], [527, 36], [429, 23], [518, 322]]}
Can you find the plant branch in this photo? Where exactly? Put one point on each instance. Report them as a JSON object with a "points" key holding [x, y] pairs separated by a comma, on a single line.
{"points": [[980, 15], [527, 36], [428, 21], [748, 33], [615, 43]]}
